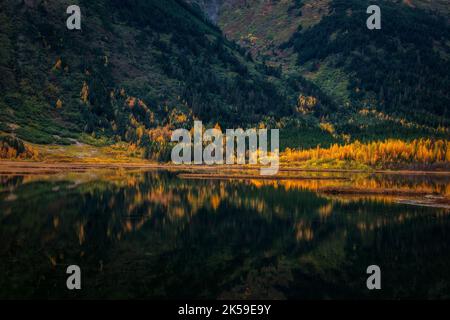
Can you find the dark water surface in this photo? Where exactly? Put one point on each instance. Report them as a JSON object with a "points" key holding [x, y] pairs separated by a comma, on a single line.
{"points": [[154, 235]]}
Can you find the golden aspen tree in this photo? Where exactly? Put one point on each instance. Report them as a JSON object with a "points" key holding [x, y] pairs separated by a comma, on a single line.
{"points": [[84, 94], [59, 104]]}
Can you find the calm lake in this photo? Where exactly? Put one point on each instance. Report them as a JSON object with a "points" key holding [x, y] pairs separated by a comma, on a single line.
{"points": [[155, 234]]}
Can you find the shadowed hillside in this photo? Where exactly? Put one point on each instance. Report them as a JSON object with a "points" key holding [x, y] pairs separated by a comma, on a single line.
{"points": [[397, 75], [136, 70], [140, 69]]}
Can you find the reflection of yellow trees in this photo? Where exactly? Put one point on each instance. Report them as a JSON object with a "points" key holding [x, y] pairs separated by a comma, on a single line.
{"points": [[161, 196], [145, 194], [215, 202], [363, 182], [128, 226], [326, 210], [256, 204], [80, 232], [136, 197], [183, 201], [306, 184], [442, 188], [423, 151], [297, 184], [379, 222], [303, 232]]}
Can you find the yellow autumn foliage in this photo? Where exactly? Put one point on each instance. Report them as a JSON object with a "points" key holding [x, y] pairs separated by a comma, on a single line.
{"points": [[59, 104], [84, 94], [9, 152], [422, 151], [306, 104]]}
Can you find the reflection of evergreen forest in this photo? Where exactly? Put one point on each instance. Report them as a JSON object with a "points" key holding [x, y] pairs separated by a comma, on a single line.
{"points": [[154, 235]]}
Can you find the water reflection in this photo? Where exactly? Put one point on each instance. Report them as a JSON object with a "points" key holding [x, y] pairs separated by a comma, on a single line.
{"points": [[154, 235]]}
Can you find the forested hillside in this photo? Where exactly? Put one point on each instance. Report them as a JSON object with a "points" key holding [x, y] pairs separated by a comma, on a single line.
{"points": [[402, 69], [389, 82], [137, 70]]}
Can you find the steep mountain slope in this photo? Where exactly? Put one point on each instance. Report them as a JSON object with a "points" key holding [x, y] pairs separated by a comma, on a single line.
{"points": [[403, 69], [141, 68], [211, 8], [395, 77], [264, 24], [135, 71]]}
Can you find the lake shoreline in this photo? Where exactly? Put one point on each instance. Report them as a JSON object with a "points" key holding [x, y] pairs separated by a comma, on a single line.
{"points": [[47, 167], [408, 196]]}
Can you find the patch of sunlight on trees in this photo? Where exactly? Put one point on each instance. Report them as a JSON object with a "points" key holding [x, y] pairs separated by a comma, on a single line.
{"points": [[13, 148], [376, 154]]}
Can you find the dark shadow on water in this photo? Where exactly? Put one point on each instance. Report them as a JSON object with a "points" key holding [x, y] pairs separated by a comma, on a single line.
{"points": [[153, 235]]}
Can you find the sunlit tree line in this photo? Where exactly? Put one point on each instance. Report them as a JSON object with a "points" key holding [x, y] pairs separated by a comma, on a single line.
{"points": [[423, 151]]}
